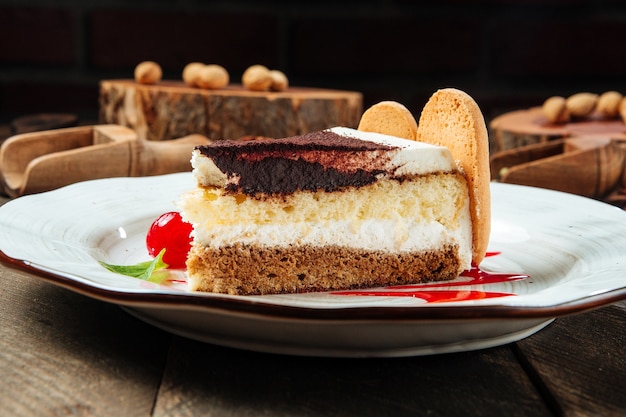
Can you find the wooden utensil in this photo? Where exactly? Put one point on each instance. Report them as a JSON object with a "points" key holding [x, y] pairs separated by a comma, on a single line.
{"points": [[591, 166], [42, 161]]}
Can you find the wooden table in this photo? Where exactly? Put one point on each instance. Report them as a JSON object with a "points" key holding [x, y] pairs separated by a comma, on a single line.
{"points": [[64, 354]]}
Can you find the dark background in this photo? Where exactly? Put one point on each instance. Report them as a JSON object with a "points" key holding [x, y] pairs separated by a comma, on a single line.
{"points": [[506, 54]]}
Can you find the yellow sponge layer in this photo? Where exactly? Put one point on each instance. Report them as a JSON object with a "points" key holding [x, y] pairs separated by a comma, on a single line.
{"points": [[436, 197]]}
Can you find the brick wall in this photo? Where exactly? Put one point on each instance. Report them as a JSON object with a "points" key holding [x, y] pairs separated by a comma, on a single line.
{"points": [[506, 54]]}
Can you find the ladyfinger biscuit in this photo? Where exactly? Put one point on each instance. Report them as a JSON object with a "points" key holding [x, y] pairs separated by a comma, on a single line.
{"points": [[451, 118], [389, 118]]}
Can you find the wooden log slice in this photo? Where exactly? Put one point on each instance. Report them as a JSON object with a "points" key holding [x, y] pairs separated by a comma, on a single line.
{"points": [[584, 156], [529, 126], [171, 109]]}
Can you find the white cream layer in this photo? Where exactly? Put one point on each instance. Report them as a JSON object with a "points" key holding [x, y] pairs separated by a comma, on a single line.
{"points": [[386, 235], [413, 158]]}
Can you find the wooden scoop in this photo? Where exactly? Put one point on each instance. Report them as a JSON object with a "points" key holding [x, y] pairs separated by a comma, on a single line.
{"points": [[42, 161], [590, 166]]}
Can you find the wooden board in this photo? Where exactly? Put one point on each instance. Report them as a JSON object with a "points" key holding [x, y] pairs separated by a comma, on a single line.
{"points": [[67, 354], [582, 372], [170, 109], [482, 383]]}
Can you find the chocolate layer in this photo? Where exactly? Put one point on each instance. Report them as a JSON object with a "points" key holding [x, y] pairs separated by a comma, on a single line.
{"points": [[315, 161]]}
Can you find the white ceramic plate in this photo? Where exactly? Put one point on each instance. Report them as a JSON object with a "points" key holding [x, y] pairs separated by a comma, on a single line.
{"points": [[557, 254]]}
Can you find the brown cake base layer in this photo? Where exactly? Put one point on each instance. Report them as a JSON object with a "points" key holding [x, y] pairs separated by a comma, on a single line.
{"points": [[247, 270]]}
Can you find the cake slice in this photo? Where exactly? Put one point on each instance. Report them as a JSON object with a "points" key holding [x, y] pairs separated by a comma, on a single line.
{"points": [[329, 210]]}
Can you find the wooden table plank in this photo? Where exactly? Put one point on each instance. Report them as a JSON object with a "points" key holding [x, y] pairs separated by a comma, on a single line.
{"points": [[581, 360], [202, 379], [62, 353]]}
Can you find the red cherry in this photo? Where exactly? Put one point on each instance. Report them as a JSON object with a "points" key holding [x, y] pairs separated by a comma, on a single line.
{"points": [[169, 231]]}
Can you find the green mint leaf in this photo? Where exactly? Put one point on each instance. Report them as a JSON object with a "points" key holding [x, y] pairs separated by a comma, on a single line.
{"points": [[146, 271]]}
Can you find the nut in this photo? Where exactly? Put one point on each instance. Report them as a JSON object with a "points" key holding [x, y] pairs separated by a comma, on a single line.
{"points": [[191, 73], [608, 104], [622, 109], [212, 77], [581, 104], [279, 81], [257, 78], [148, 72], [555, 110]]}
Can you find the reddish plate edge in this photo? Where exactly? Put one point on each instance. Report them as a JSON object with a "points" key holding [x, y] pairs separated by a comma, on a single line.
{"points": [[244, 306]]}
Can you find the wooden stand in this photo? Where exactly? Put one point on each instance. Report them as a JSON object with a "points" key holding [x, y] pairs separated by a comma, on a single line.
{"points": [[170, 109]]}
